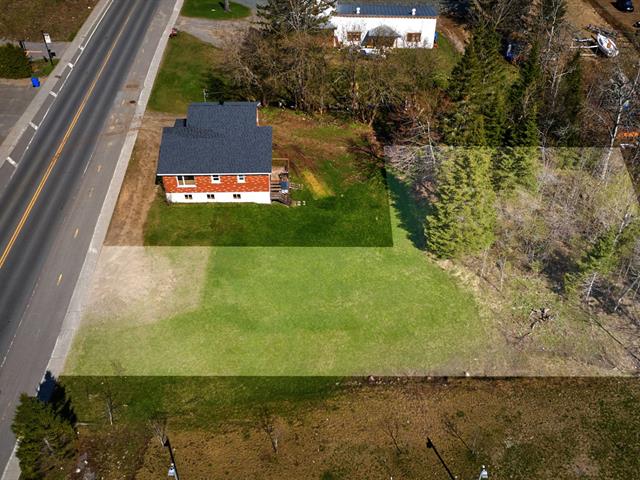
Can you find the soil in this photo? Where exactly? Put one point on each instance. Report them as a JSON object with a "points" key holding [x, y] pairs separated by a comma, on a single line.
{"points": [[126, 289], [139, 188], [26, 19], [218, 33], [454, 31]]}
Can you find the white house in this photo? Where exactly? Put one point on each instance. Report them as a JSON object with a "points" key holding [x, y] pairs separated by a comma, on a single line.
{"points": [[374, 25]]}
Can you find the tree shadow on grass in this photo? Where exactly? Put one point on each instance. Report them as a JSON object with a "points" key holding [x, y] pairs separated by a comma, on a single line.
{"points": [[412, 210], [54, 393]]}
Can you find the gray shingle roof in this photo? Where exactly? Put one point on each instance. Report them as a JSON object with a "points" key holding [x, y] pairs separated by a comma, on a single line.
{"points": [[386, 10], [216, 139]]}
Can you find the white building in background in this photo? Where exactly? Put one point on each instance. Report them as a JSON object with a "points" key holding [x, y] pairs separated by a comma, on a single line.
{"points": [[376, 25]]}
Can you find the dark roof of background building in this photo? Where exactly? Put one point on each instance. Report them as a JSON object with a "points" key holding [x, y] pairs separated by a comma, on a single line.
{"points": [[216, 138], [386, 9]]}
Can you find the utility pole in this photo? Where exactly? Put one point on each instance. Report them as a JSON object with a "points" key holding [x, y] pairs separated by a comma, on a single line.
{"points": [[173, 470], [433, 447]]}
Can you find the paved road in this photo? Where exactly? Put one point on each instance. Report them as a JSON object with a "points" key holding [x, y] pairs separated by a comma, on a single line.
{"points": [[44, 192]]}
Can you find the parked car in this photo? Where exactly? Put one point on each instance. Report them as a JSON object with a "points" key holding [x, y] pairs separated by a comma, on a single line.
{"points": [[624, 5]]}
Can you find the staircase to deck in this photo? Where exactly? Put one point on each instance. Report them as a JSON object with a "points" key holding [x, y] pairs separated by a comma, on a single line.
{"points": [[277, 195]]}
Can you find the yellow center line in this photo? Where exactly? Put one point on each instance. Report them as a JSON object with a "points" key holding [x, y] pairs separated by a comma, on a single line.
{"points": [[56, 156]]}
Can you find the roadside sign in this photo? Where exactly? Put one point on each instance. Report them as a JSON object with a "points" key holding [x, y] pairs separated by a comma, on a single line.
{"points": [[47, 37]]}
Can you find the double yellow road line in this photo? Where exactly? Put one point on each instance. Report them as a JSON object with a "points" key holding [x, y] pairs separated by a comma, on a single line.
{"points": [[64, 141]]}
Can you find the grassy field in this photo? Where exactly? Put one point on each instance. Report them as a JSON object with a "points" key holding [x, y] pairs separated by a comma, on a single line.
{"points": [[345, 204], [182, 78], [295, 311], [214, 9], [26, 19], [339, 428]]}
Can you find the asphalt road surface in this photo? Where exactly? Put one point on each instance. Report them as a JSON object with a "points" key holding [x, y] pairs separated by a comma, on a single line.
{"points": [[44, 191]]}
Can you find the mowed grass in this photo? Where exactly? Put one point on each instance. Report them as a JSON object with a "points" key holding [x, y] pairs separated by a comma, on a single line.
{"points": [[300, 311], [345, 196], [214, 10], [186, 70]]}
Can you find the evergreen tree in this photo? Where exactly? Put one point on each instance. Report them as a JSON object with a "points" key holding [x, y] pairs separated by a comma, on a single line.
{"points": [[46, 440], [598, 260], [463, 216], [13, 62], [476, 88], [522, 137], [280, 17]]}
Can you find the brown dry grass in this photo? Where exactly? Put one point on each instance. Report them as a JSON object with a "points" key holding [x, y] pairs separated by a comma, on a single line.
{"points": [[25, 19], [527, 428], [139, 188]]}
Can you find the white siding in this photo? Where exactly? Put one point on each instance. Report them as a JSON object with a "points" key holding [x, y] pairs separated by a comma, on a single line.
{"points": [[220, 197], [402, 25]]}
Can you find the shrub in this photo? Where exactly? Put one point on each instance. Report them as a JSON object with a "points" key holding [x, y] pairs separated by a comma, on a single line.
{"points": [[13, 62]]}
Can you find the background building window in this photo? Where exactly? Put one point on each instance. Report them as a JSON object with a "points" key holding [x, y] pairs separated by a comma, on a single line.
{"points": [[413, 37], [354, 36], [186, 181], [215, 178], [240, 178]]}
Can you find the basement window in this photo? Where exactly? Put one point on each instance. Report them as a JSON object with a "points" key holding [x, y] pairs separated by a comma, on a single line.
{"points": [[237, 196], [188, 196], [211, 196], [186, 180]]}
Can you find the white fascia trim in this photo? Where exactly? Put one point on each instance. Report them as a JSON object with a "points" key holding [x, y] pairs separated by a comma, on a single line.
{"points": [[208, 174]]}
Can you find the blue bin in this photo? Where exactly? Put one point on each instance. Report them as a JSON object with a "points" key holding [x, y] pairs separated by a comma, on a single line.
{"points": [[35, 82]]}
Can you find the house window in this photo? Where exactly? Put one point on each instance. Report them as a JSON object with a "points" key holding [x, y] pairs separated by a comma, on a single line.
{"points": [[354, 36], [215, 178], [413, 37], [237, 196], [186, 180], [210, 196], [240, 178], [188, 196]]}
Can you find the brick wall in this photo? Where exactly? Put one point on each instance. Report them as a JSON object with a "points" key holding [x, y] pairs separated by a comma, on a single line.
{"points": [[228, 183]]}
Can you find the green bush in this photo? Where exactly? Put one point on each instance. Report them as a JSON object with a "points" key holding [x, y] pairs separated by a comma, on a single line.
{"points": [[13, 62]]}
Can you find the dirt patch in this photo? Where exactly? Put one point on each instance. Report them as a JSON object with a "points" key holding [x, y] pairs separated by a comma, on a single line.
{"points": [[215, 32], [538, 428], [126, 284], [622, 21], [26, 19], [454, 31], [139, 188]]}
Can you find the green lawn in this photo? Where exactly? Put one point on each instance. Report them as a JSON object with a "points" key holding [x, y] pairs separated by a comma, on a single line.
{"points": [[299, 311], [214, 9], [183, 76]]}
